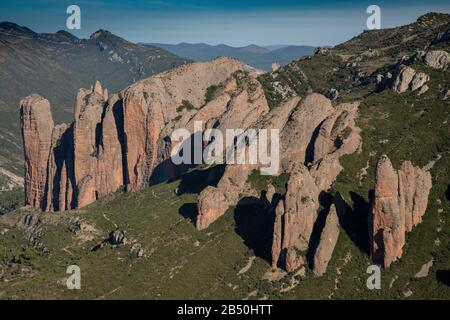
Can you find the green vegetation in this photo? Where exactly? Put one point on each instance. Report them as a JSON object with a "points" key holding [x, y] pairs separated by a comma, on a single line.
{"points": [[260, 182], [11, 200], [211, 92], [185, 104]]}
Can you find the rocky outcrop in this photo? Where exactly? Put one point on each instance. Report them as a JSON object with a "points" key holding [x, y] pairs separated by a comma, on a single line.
{"points": [[151, 105], [314, 135], [88, 116], [296, 223], [121, 139], [407, 78], [400, 201], [335, 135], [415, 186], [214, 201], [419, 80], [298, 132], [233, 184], [437, 59], [403, 78], [59, 181], [37, 126], [327, 242]]}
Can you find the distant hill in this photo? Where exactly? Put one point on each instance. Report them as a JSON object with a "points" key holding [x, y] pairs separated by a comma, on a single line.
{"points": [[56, 65], [256, 56]]}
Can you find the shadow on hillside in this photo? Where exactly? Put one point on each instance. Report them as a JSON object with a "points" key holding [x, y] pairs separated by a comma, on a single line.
{"points": [[443, 276], [325, 200], [355, 221], [309, 157], [167, 170], [447, 193], [255, 218], [196, 180], [189, 211], [193, 178]]}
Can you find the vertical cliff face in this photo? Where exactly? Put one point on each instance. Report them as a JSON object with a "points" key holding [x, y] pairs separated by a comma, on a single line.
{"points": [[37, 125], [59, 179], [400, 201], [115, 140], [317, 139], [301, 203], [153, 107], [313, 136], [110, 158], [86, 135]]}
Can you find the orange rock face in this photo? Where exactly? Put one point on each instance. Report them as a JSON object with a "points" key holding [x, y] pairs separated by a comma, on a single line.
{"points": [[88, 114], [37, 126], [233, 183], [317, 134], [328, 240], [120, 139], [401, 199], [295, 221]]}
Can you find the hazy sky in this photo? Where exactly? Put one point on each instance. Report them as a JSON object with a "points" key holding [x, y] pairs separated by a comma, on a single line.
{"points": [[232, 22]]}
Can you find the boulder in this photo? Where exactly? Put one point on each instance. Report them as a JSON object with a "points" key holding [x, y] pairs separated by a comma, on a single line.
{"points": [[446, 95], [437, 59], [333, 94], [117, 237], [403, 78], [419, 80]]}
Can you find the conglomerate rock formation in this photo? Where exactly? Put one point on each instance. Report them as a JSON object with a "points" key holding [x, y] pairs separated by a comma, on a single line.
{"points": [[328, 240], [334, 136], [119, 140], [401, 199], [37, 126], [124, 140]]}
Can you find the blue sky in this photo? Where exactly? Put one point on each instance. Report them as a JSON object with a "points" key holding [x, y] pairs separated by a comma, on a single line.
{"points": [[232, 22]]}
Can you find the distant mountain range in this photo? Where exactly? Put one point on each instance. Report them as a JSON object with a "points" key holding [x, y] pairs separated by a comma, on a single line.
{"points": [[56, 65], [256, 56]]}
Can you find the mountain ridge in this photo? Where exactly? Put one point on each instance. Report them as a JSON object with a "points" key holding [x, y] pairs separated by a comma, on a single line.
{"points": [[254, 55]]}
